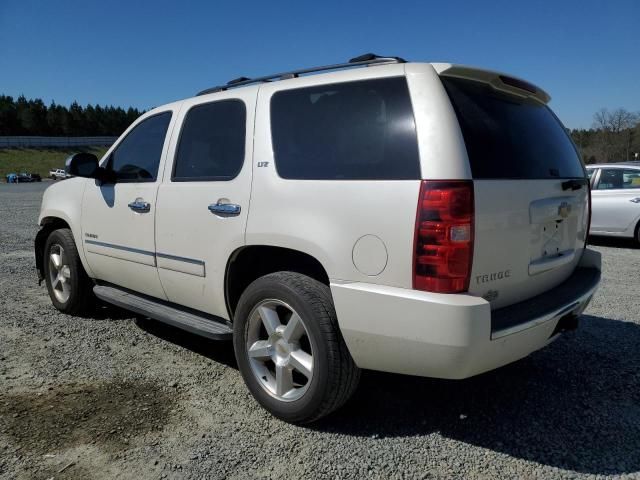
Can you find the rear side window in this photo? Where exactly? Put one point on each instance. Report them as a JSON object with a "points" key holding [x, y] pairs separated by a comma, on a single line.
{"points": [[511, 137], [617, 178], [211, 145], [137, 157], [362, 130]]}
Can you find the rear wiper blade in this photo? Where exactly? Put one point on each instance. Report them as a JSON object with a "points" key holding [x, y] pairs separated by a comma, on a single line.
{"points": [[574, 184]]}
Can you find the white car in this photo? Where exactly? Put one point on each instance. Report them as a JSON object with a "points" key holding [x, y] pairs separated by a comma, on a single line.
{"points": [[58, 174], [615, 199], [423, 219]]}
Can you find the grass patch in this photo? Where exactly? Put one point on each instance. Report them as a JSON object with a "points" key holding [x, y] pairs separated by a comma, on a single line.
{"points": [[39, 160]]}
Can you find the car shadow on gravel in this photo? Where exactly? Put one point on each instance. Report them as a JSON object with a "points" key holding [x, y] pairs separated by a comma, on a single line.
{"points": [[574, 405], [216, 350], [612, 242], [102, 311], [105, 311]]}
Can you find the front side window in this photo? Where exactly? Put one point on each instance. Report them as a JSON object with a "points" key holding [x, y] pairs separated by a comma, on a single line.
{"points": [[137, 157], [618, 178], [362, 130], [212, 142]]}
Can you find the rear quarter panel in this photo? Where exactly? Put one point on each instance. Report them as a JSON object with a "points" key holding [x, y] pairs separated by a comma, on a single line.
{"points": [[443, 155], [325, 218]]}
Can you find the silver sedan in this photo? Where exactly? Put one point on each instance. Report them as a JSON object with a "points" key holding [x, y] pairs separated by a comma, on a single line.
{"points": [[615, 196]]}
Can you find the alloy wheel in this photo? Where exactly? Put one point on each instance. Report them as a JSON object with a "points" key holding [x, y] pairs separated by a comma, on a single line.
{"points": [[279, 350], [59, 273]]}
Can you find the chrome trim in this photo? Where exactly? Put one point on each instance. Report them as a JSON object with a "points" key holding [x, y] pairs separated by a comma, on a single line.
{"points": [[225, 209], [139, 205], [120, 247]]}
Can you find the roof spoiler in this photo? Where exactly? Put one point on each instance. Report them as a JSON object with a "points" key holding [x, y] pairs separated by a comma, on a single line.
{"points": [[499, 81]]}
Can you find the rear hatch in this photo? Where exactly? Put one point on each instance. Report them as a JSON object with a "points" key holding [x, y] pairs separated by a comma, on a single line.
{"points": [[531, 195]]}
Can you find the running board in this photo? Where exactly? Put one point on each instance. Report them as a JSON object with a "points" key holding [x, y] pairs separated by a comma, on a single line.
{"points": [[157, 310]]}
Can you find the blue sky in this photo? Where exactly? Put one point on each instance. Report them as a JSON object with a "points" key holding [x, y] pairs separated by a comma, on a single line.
{"points": [[586, 54]]}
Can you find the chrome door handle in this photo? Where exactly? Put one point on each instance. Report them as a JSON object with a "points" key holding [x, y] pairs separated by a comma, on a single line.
{"points": [[140, 206], [225, 209], [635, 200]]}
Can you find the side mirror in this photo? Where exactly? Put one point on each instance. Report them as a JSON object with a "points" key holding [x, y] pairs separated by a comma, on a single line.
{"points": [[82, 165]]}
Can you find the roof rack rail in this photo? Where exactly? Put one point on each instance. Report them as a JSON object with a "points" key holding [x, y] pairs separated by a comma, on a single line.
{"points": [[360, 61]]}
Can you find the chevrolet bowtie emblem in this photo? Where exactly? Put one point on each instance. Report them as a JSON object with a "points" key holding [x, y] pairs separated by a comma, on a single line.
{"points": [[564, 209]]}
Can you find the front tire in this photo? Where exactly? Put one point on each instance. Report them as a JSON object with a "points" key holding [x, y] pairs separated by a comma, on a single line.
{"points": [[70, 289], [289, 348]]}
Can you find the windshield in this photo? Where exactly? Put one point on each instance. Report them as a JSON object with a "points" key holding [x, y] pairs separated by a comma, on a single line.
{"points": [[511, 137]]}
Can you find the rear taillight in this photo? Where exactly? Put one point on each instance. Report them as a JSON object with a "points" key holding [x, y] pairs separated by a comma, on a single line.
{"points": [[443, 246]]}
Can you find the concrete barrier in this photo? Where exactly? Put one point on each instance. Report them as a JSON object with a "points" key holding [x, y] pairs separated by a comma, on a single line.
{"points": [[59, 142]]}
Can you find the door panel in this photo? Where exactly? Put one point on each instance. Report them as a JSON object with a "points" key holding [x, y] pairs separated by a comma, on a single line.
{"points": [[616, 200], [118, 242], [118, 219], [209, 164]]}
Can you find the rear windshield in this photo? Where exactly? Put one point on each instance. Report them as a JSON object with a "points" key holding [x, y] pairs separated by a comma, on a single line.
{"points": [[511, 137]]}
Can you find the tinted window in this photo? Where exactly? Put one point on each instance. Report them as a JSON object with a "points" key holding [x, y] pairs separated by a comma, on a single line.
{"points": [[618, 178], [137, 157], [349, 131], [211, 145], [590, 172], [511, 137]]}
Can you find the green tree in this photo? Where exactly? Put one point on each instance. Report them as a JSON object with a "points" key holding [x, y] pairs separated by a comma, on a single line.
{"points": [[33, 117], [9, 124]]}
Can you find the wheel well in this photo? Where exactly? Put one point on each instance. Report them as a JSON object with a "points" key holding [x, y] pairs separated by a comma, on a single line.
{"points": [[48, 225], [250, 263]]}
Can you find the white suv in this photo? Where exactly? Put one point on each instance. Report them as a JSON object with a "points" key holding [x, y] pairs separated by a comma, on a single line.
{"points": [[424, 219]]}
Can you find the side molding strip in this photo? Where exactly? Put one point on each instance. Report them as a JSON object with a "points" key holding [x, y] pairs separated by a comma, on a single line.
{"points": [[190, 266], [179, 259], [120, 247]]}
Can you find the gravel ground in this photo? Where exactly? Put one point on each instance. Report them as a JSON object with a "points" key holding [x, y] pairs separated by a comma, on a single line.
{"points": [[113, 396]]}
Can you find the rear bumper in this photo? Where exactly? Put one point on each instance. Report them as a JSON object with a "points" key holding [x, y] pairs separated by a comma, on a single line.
{"points": [[451, 336]]}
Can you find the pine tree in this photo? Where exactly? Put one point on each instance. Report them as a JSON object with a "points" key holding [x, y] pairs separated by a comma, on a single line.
{"points": [[8, 116]]}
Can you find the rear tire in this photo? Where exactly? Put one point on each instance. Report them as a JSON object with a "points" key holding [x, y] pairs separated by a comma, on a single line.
{"points": [[69, 286], [637, 235], [289, 348]]}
